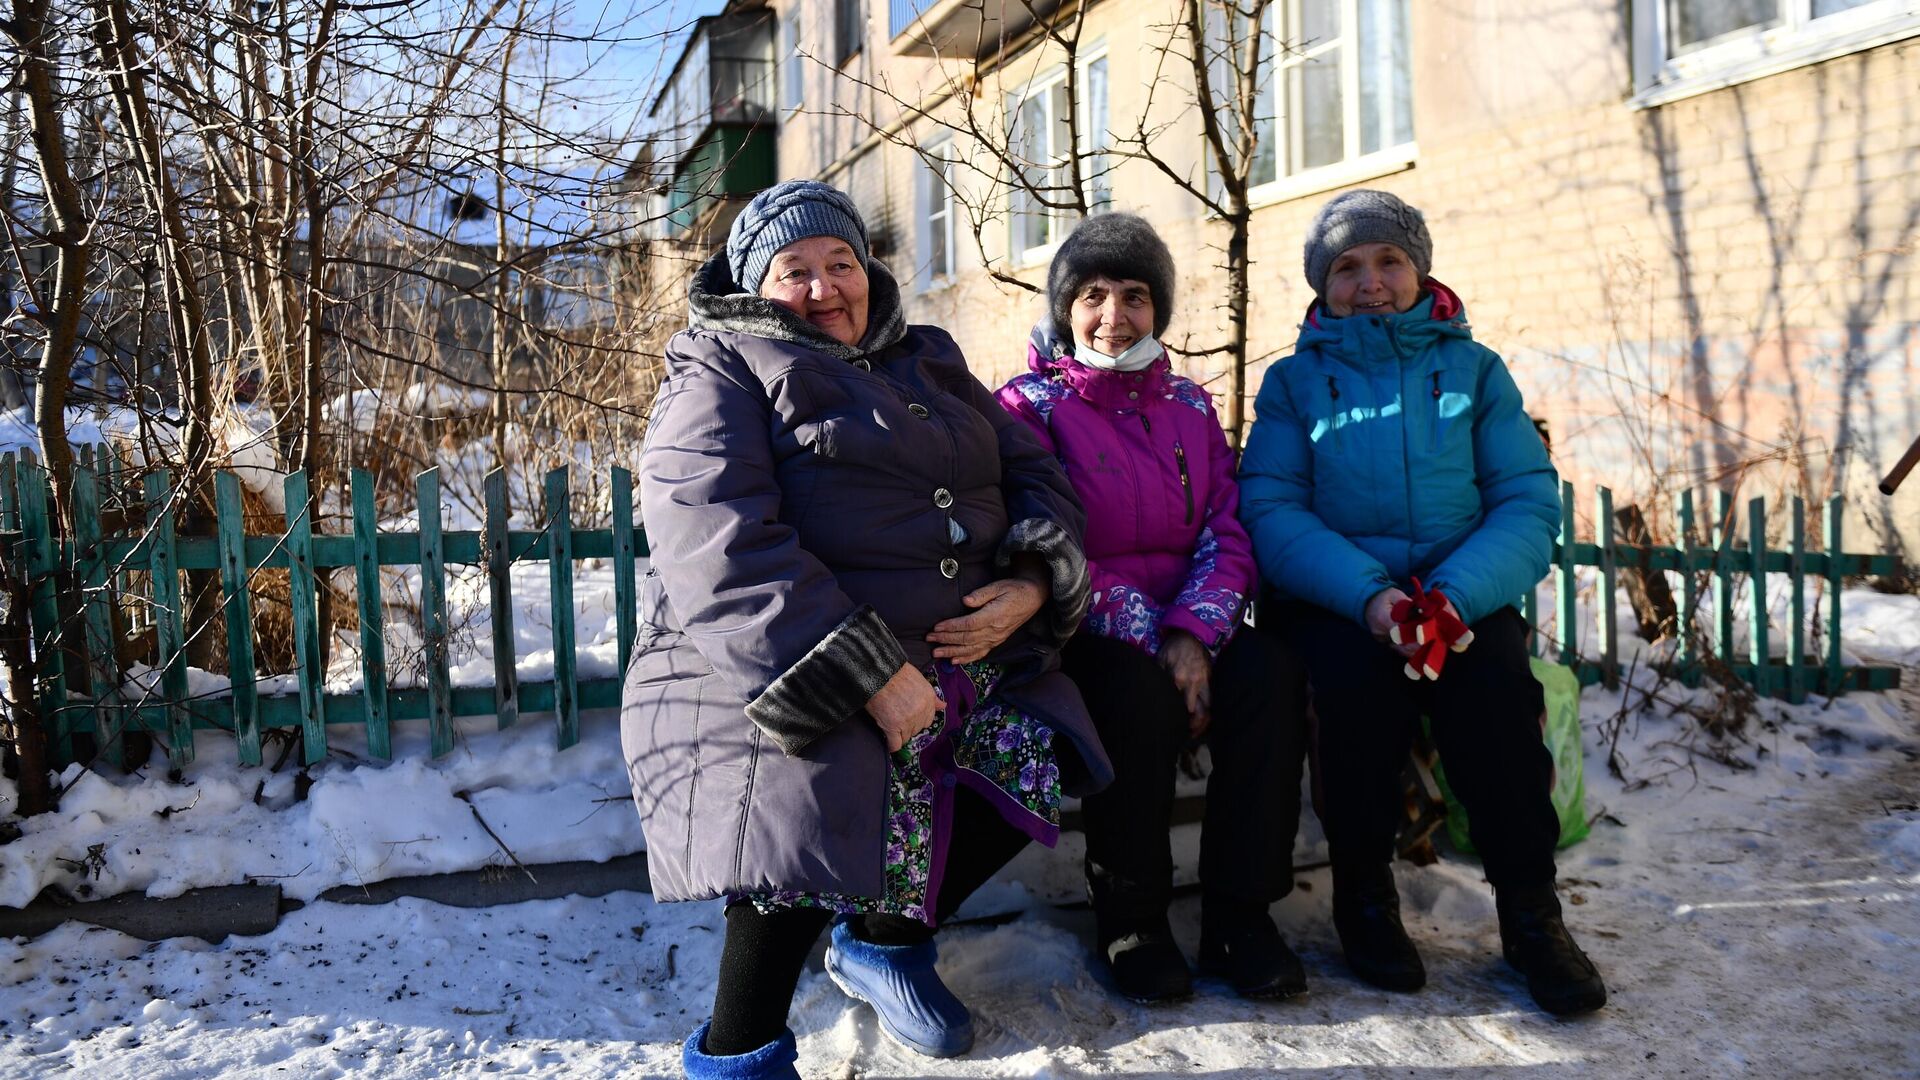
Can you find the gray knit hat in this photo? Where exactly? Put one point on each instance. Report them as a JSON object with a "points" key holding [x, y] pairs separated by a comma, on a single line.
{"points": [[786, 212], [1360, 217], [1118, 246]]}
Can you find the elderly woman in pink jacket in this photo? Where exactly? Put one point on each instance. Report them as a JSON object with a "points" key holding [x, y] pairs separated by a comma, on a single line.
{"points": [[1162, 657]]}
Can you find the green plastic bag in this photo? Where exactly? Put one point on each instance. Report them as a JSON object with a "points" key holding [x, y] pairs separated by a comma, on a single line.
{"points": [[1562, 731]]}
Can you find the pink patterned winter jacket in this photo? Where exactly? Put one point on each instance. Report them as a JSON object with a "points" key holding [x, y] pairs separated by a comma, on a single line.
{"points": [[1145, 453]]}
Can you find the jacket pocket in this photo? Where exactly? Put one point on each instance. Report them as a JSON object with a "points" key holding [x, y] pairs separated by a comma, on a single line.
{"points": [[1330, 409]]}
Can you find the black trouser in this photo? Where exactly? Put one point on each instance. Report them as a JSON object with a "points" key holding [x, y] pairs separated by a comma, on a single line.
{"points": [[760, 962], [1258, 737], [1485, 712]]}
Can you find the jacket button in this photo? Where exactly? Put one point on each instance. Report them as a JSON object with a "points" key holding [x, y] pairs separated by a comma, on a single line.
{"points": [[942, 498], [862, 364], [1133, 395], [949, 780], [950, 568], [919, 410]]}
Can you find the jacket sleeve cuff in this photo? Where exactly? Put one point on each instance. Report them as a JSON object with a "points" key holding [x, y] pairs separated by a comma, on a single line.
{"points": [[833, 681], [1066, 572], [1213, 626]]}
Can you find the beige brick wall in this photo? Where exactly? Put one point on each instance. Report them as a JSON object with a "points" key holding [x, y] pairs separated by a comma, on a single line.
{"points": [[1719, 290]]}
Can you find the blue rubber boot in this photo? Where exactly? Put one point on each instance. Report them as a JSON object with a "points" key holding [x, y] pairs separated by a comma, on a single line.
{"points": [[915, 1008], [773, 1061]]}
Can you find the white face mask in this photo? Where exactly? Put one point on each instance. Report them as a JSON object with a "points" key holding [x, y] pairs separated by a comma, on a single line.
{"points": [[1136, 356]]}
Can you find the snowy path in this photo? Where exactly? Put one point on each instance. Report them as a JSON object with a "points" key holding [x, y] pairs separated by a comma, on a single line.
{"points": [[1763, 926]]}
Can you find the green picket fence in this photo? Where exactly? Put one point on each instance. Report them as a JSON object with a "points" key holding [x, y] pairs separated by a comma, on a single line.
{"points": [[1792, 678], [137, 567], [103, 568]]}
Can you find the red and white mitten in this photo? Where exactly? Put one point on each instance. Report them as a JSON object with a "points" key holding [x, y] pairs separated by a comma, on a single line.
{"points": [[1426, 618]]}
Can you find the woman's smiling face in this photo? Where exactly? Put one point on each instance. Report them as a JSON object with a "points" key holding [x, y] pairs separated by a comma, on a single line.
{"points": [[1372, 279], [824, 281]]}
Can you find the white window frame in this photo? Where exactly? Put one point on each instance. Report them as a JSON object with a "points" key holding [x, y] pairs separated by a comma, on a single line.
{"points": [[793, 85], [1352, 169], [941, 221], [1660, 76], [1060, 222]]}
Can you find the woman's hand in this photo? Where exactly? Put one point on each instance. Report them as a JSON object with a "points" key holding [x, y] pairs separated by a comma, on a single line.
{"points": [[1380, 619], [904, 707], [1004, 606], [1186, 660]]}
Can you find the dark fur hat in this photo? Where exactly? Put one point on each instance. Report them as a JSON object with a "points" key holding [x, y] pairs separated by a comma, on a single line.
{"points": [[1118, 246]]}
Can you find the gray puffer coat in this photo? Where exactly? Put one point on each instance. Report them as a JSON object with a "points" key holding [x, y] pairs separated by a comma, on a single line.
{"points": [[812, 510]]}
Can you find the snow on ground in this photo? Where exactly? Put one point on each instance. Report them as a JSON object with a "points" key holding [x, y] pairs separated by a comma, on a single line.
{"points": [[1754, 903]]}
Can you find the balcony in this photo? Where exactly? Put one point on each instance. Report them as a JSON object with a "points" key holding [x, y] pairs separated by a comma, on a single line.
{"points": [[973, 29], [724, 78]]}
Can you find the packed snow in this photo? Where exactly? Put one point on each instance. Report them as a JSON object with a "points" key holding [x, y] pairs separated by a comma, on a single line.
{"points": [[1752, 901]]}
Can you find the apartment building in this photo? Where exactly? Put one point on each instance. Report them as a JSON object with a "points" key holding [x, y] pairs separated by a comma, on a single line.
{"points": [[1689, 225]]}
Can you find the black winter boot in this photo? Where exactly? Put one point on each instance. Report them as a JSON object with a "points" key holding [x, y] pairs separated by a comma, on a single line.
{"points": [[1239, 943], [1366, 915], [1535, 941], [1135, 941]]}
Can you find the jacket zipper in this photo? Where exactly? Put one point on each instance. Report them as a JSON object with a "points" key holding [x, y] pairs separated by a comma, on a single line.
{"points": [[1333, 413], [1180, 459], [1433, 433], [1186, 482]]}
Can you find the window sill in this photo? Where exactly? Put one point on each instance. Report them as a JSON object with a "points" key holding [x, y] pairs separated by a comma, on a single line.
{"points": [[1037, 256], [1327, 177], [1744, 61]]}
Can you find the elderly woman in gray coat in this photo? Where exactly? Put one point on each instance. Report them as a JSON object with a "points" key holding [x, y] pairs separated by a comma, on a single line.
{"points": [[842, 702]]}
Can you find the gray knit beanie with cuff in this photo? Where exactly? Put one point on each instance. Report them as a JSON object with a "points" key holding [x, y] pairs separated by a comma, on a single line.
{"points": [[1118, 246], [1365, 217], [785, 212]]}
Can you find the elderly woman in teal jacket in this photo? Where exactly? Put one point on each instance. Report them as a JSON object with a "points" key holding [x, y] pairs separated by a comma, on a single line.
{"points": [[1391, 447]]}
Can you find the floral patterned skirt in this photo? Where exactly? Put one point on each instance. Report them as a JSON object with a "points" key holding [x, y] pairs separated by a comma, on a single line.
{"points": [[975, 740]]}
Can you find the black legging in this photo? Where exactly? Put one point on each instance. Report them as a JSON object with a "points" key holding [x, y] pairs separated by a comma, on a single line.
{"points": [[1258, 737], [764, 953]]}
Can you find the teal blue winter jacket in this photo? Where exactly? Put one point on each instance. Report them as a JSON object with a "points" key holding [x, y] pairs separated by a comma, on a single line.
{"points": [[1393, 446]]}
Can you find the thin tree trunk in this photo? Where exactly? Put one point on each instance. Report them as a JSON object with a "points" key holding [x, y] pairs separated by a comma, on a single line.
{"points": [[59, 310]]}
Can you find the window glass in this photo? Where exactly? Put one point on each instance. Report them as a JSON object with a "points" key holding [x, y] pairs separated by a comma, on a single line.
{"points": [[794, 85], [1332, 90], [1692, 22]]}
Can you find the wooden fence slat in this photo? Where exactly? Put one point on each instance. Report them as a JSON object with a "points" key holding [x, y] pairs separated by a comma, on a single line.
{"points": [[1836, 578], [96, 598], [373, 637], [1723, 576], [168, 631], [44, 610], [231, 517], [506, 680], [1563, 581], [9, 492], [96, 579], [624, 601], [1684, 655], [433, 611], [1757, 638], [309, 662], [566, 693], [1609, 631], [1797, 605]]}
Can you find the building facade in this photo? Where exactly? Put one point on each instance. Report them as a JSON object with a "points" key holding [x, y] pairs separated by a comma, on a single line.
{"points": [[1689, 225]]}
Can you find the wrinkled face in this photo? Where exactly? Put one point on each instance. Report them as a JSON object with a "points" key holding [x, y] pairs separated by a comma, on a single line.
{"points": [[824, 281], [1372, 279], [1109, 315]]}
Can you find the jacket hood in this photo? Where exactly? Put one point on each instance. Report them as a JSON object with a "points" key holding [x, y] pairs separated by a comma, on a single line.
{"points": [[1438, 314], [715, 301]]}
